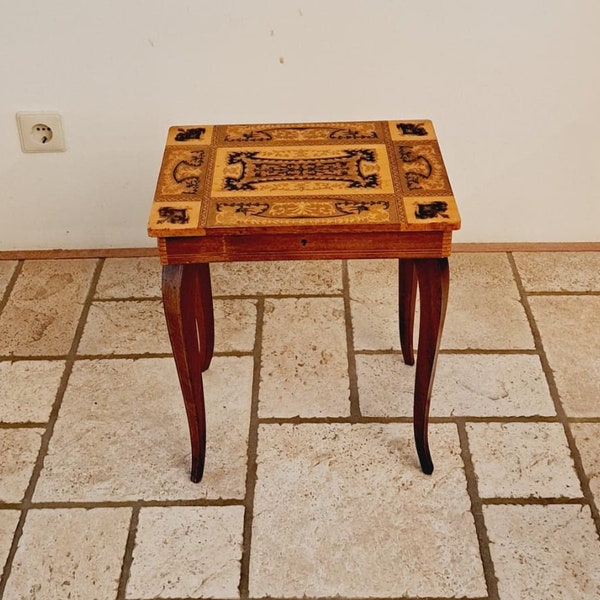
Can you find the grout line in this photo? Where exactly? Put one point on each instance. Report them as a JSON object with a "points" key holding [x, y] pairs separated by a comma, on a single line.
{"points": [[555, 395], [382, 352], [565, 293], [483, 539], [255, 296], [124, 356], [26, 503], [45, 357], [251, 466], [199, 502], [123, 299], [128, 553], [148, 355], [336, 598], [403, 419], [352, 374], [335, 420], [114, 356], [458, 351], [379, 352], [533, 501], [274, 296], [10, 285], [24, 425]]}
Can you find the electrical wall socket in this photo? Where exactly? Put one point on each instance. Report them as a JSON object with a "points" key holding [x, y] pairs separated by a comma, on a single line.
{"points": [[41, 132]]}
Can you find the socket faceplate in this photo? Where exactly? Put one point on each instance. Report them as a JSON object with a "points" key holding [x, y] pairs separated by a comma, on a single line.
{"points": [[41, 132]]}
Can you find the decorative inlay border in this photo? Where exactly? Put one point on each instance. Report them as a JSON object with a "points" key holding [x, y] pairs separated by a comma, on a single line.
{"points": [[301, 133], [186, 168], [422, 170], [302, 174], [290, 212]]}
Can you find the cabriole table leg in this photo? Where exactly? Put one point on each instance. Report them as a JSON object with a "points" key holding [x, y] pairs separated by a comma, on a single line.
{"points": [[407, 294], [187, 300], [433, 278]]}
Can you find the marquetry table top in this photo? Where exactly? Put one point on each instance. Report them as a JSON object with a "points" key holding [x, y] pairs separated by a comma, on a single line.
{"points": [[375, 175]]}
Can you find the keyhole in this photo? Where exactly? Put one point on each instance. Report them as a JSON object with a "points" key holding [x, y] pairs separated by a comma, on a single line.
{"points": [[303, 242]]}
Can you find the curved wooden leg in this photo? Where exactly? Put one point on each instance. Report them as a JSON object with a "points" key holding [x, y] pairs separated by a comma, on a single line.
{"points": [[204, 315], [188, 311], [407, 293], [433, 278]]}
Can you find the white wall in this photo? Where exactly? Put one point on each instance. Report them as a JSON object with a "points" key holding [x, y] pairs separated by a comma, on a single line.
{"points": [[513, 88]]}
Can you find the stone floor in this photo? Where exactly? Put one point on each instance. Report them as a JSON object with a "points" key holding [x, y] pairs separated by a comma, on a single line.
{"points": [[312, 486]]}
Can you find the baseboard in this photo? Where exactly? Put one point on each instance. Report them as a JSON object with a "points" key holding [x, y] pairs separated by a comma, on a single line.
{"points": [[79, 253], [456, 247], [526, 247]]}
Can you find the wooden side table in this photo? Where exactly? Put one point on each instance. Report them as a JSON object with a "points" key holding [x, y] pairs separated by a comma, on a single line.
{"points": [[347, 190]]}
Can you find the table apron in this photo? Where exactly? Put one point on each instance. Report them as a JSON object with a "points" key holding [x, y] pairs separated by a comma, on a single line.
{"points": [[308, 246]]}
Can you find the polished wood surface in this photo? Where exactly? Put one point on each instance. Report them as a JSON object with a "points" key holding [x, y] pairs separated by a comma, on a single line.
{"points": [[324, 177], [306, 246], [187, 300], [345, 190], [433, 278]]}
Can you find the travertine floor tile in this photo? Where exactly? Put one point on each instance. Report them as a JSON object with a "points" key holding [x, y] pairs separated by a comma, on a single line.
{"points": [[569, 327], [304, 368], [268, 278], [484, 308], [28, 390], [386, 385], [138, 327], [8, 524], [374, 304], [19, 449], [7, 268], [187, 551], [130, 278], [559, 271], [548, 552], [44, 307], [478, 385], [235, 325], [587, 438], [522, 460], [69, 553], [491, 385], [135, 327], [339, 509], [122, 433], [365, 521]]}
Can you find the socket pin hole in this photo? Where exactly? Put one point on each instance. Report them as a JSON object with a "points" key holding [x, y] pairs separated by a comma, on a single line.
{"points": [[41, 133]]}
